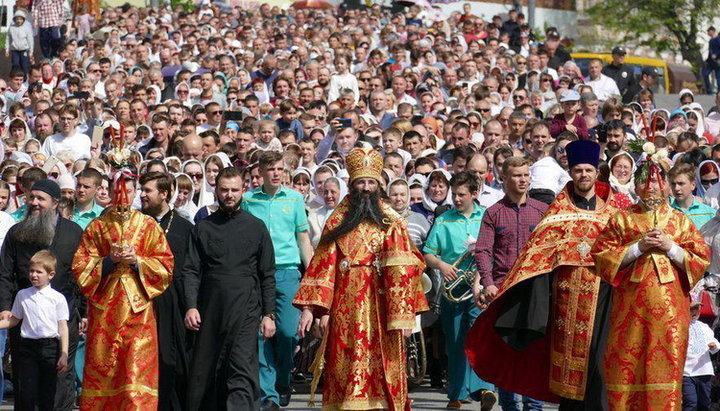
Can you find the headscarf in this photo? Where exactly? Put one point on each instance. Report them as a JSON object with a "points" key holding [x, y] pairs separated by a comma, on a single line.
{"points": [[158, 95], [297, 172], [405, 212], [428, 203], [206, 196], [629, 187], [187, 101], [225, 160], [699, 189], [189, 209]]}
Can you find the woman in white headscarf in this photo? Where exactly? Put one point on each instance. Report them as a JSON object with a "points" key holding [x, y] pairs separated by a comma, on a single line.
{"points": [[182, 198], [334, 190], [622, 168], [182, 93], [706, 176], [207, 202], [154, 98], [436, 194]]}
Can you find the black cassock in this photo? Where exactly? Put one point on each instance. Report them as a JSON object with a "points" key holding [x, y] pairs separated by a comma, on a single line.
{"points": [[170, 313], [229, 276]]}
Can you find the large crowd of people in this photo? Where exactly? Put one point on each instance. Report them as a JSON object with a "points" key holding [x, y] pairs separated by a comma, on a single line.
{"points": [[219, 188]]}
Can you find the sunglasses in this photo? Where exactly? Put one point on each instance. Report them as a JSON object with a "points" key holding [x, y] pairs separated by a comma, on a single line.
{"points": [[560, 150], [484, 110], [215, 112], [528, 141], [545, 80], [709, 182], [195, 176], [518, 97]]}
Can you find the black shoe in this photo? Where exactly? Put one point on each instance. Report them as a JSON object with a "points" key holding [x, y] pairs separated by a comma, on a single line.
{"points": [[285, 394], [269, 405]]}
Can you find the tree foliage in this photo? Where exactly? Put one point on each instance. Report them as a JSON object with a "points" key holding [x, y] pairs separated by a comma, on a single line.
{"points": [[664, 25]]}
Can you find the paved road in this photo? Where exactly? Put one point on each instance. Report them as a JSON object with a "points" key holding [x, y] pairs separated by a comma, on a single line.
{"points": [[424, 398]]}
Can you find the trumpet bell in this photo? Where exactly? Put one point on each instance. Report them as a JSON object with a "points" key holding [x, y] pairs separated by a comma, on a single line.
{"points": [[464, 281], [426, 282]]}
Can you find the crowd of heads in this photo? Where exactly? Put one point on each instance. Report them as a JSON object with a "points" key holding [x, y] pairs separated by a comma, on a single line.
{"points": [[191, 94]]}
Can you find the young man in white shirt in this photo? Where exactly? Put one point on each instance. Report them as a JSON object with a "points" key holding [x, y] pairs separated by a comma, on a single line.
{"points": [[43, 349], [68, 139]]}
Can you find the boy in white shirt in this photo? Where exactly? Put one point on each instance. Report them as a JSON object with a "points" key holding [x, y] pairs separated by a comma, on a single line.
{"points": [[547, 177], [43, 349], [698, 371]]}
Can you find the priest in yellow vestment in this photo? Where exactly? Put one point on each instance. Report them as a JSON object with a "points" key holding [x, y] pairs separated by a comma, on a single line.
{"points": [[652, 255], [123, 262]]}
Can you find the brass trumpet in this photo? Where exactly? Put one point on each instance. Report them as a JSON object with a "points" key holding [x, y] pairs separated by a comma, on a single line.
{"points": [[465, 275]]}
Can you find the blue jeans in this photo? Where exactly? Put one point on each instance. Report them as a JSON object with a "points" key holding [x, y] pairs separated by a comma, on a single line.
{"points": [[277, 354], [50, 41], [706, 70], [696, 393], [3, 338], [508, 402], [20, 59]]}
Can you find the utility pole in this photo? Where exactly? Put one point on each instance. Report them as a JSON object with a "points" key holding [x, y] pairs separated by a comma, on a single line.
{"points": [[531, 14]]}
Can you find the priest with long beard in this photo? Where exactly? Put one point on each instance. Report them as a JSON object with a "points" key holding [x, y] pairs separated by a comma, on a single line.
{"points": [[364, 285], [43, 229]]}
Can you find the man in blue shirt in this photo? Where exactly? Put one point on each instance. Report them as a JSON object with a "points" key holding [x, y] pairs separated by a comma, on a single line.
{"points": [[453, 233], [283, 212], [682, 184]]}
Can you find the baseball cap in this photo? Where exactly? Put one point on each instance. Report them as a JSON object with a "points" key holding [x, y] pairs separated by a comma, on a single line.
{"points": [[649, 71], [569, 95], [619, 50]]}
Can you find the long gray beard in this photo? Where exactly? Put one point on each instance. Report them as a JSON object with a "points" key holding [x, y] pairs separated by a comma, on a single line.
{"points": [[37, 229]]}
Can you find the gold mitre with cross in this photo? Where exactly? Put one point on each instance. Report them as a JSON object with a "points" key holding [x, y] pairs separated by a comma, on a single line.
{"points": [[364, 163]]}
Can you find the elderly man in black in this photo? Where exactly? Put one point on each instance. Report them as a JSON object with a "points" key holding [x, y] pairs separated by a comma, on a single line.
{"points": [[229, 280], [44, 229]]}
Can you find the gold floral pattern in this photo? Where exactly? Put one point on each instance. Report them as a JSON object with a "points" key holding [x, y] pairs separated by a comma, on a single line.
{"points": [[647, 344], [362, 355]]}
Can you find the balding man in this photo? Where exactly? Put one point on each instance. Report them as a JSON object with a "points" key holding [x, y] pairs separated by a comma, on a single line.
{"points": [[478, 166], [378, 108], [192, 148]]}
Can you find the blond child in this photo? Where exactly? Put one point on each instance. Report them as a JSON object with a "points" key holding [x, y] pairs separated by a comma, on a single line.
{"points": [[43, 348], [267, 137]]}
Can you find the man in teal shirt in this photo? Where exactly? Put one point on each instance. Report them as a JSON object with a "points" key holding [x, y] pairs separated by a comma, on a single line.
{"points": [[283, 212], [86, 209], [453, 233], [682, 184]]}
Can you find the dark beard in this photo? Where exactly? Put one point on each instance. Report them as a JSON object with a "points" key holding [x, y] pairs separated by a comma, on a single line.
{"points": [[614, 147], [362, 207], [229, 210], [37, 229]]}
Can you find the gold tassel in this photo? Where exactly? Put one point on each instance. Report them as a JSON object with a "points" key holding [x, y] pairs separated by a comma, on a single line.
{"points": [[317, 368]]}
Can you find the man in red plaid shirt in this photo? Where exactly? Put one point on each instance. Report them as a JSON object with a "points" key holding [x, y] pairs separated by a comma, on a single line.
{"points": [[48, 16]]}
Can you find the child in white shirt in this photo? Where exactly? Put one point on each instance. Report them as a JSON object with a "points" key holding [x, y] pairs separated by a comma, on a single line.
{"points": [[547, 177], [698, 371], [43, 348]]}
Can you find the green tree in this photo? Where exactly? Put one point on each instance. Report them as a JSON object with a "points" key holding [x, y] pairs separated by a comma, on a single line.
{"points": [[664, 25]]}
